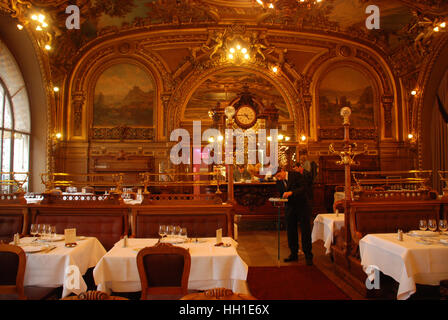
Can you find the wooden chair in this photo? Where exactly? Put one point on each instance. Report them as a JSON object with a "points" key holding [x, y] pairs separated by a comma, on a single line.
{"points": [[218, 294], [93, 295], [164, 271], [12, 271]]}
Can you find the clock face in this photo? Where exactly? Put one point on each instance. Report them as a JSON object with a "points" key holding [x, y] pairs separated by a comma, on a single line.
{"points": [[246, 116]]}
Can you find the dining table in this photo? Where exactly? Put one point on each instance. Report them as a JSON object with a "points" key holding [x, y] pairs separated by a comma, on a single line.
{"points": [[211, 266], [325, 225], [49, 263], [418, 257]]}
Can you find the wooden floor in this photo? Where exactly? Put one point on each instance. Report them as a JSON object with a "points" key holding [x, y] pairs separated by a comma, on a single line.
{"points": [[259, 248]]}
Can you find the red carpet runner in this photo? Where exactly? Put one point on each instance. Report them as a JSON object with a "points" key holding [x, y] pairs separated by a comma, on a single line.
{"points": [[292, 283]]}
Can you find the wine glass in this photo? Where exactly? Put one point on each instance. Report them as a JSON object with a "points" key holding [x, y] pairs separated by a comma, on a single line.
{"points": [[53, 231], [443, 225], [34, 230], [177, 230], [171, 230], [162, 230], [432, 225], [183, 233], [423, 225]]}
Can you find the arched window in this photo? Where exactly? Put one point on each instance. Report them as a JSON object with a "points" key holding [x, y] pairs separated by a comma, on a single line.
{"points": [[15, 122]]}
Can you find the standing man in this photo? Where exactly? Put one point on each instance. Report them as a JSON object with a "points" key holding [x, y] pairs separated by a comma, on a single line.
{"points": [[296, 187]]}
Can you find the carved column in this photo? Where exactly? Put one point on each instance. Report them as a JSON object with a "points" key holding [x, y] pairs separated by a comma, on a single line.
{"points": [[165, 102], [78, 99], [387, 101]]}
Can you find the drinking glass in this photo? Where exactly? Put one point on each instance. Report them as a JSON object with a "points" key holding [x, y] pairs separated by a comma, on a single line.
{"points": [[443, 225], [53, 231], [162, 230], [171, 230], [183, 233], [177, 230], [34, 230], [432, 225], [423, 225], [47, 231]]}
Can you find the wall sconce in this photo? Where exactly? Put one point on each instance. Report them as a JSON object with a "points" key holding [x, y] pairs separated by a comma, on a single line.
{"points": [[412, 139]]}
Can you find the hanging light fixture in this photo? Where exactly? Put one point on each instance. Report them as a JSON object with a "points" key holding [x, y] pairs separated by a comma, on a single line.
{"points": [[273, 4]]}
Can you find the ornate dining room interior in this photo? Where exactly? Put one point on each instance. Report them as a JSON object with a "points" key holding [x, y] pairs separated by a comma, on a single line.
{"points": [[160, 124]]}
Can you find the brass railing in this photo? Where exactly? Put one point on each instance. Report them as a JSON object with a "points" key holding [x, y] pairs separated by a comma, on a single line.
{"points": [[53, 180], [444, 178], [181, 179], [144, 179], [392, 180], [16, 179]]}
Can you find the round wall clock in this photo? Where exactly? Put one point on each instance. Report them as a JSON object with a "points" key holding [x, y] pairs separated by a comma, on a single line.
{"points": [[245, 116]]}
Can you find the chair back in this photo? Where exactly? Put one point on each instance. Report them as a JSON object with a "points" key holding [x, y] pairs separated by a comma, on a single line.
{"points": [[12, 270], [218, 294], [93, 295], [164, 270]]}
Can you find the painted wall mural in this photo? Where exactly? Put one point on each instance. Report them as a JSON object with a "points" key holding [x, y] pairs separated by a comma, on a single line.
{"points": [[341, 87], [124, 95]]}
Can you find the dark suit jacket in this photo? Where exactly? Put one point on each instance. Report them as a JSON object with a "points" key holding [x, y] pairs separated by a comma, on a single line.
{"points": [[301, 186]]}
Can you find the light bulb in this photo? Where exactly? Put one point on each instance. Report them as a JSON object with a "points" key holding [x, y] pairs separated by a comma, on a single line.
{"points": [[56, 89], [41, 18], [269, 138], [410, 136], [271, 6], [220, 138], [47, 47], [238, 47], [303, 137], [436, 29], [280, 137], [275, 69], [230, 56], [232, 50], [244, 50], [20, 27], [414, 92], [39, 28], [44, 25], [443, 25], [211, 139], [287, 138], [58, 135], [246, 56], [34, 17]]}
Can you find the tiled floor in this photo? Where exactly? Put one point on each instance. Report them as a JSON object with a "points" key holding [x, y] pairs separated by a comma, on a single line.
{"points": [[259, 248]]}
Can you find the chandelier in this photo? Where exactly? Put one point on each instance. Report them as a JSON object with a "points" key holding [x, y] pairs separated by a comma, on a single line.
{"points": [[277, 4]]}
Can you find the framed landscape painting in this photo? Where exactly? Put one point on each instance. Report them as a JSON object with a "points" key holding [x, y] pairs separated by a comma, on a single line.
{"points": [[124, 96], [346, 87]]}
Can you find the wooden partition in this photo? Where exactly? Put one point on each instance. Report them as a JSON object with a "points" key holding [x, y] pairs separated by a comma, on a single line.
{"points": [[102, 217], [13, 216], [202, 215]]}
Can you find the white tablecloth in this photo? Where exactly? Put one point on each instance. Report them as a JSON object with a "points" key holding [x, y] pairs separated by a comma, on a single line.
{"points": [[49, 269], [407, 262], [325, 224], [211, 266]]}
